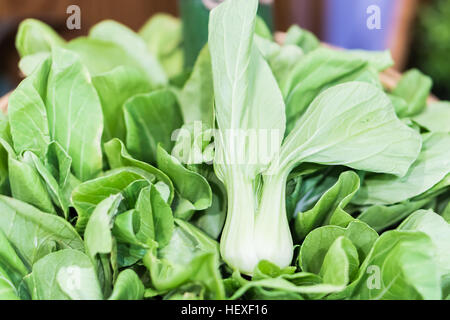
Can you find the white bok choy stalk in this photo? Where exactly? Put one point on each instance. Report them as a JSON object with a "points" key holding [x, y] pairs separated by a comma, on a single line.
{"points": [[352, 124]]}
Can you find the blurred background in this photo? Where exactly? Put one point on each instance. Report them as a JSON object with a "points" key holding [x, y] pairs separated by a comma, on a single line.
{"points": [[416, 31]]}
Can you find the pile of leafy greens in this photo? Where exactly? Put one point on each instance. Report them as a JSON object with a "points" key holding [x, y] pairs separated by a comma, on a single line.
{"points": [[120, 176]]}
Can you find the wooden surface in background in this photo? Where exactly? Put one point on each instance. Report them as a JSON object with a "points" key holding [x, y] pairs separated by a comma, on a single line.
{"points": [[134, 13]]}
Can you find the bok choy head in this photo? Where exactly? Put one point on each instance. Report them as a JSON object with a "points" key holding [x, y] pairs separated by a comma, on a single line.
{"points": [[352, 124]]}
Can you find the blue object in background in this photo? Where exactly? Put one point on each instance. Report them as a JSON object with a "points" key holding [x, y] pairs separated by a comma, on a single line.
{"points": [[346, 24]]}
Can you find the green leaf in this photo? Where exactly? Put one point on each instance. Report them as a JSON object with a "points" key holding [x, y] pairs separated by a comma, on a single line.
{"points": [[7, 289], [119, 157], [128, 286], [151, 119], [282, 59], [60, 195], [189, 185], [74, 113], [317, 244], [190, 257], [27, 185], [27, 113], [28, 64], [134, 46], [65, 275], [33, 233], [340, 263], [332, 203], [261, 29], [103, 56], [301, 38], [35, 36], [156, 219], [382, 217], [415, 88], [163, 35], [401, 265], [212, 219], [375, 139], [89, 194], [197, 96], [435, 118], [12, 270], [114, 89], [151, 220], [317, 71], [379, 60], [437, 229], [97, 236], [431, 167], [99, 242]]}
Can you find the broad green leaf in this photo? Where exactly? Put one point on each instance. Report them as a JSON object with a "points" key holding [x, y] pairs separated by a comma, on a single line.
{"points": [[102, 56], [58, 162], [379, 60], [128, 255], [317, 71], [318, 242], [341, 262], [401, 265], [437, 229], [431, 167], [262, 29], [128, 286], [74, 113], [301, 38], [99, 242], [282, 59], [35, 36], [435, 118], [156, 219], [189, 185], [114, 88], [150, 220], [65, 275], [163, 35], [27, 185], [60, 195], [381, 217], [212, 219], [12, 270], [134, 46], [7, 289], [28, 64], [118, 157], [190, 257], [197, 95], [33, 233], [97, 236], [332, 203], [27, 113], [400, 105], [151, 119], [89, 194], [414, 88], [352, 124]]}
